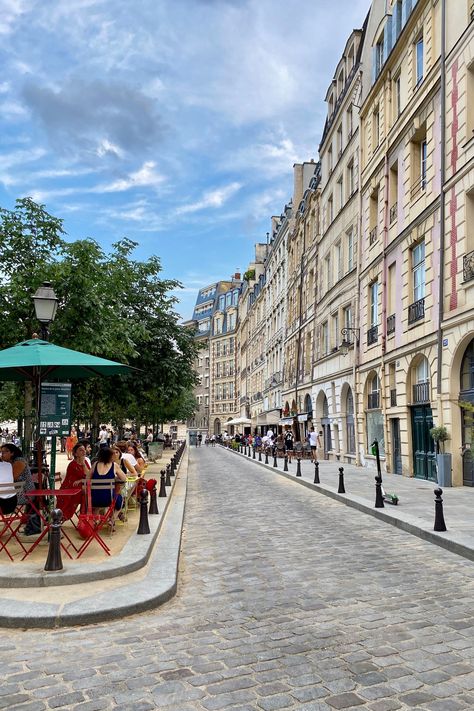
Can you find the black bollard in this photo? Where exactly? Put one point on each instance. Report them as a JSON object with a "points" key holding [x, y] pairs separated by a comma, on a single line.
{"points": [[162, 485], [266, 457], [298, 466], [439, 524], [173, 464], [253, 455], [250, 451], [168, 476], [341, 489], [153, 502], [259, 455], [316, 473], [53, 561], [285, 464], [378, 493], [275, 463], [376, 452], [143, 525]]}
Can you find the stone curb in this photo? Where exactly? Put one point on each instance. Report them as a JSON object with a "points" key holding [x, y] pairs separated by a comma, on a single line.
{"points": [[157, 586], [451, 542]]}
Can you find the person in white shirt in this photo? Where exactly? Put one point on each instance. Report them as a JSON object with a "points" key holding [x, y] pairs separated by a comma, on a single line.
{"points": [[8, 497], [314, 443], [103, 437]]}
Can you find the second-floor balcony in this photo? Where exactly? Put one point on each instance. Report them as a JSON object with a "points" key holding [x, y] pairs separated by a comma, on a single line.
{"points": [[416, 311], [257, 396], [372, 335], [468, 266], [421, 392], [391, 324]]}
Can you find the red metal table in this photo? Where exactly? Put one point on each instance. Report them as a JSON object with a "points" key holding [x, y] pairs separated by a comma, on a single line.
{"points": [[40, 494]]}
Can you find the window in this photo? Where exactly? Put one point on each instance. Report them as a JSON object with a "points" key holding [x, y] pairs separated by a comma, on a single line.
{"points": [[338, 253], [340, 193], [350, 429], [231, 322], [330, 163], [419, 61], [330, 210], [374, 215], [470, 101], [218, 321], [221, 302], [393, 189], [423, 153], [418, 271], [327, 268], [335, 329], [235, 298], [375, 128], [397, 96], [392, 288], [378, 57], [374, 303], [419, 155], [349, 122], [218, 349], [350, 250], [347, 320], [228, 298], [350, 179], [339, 141], [373, 395], [325, 339]]}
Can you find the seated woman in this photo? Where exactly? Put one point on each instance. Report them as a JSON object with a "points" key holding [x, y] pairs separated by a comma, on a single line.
{"points": [[131, 454], [127, 461], [105, 469], [8, 496], [77, 470], [22, 473]]}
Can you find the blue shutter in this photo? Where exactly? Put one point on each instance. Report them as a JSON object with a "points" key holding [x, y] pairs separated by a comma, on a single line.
{"points": [[395, 22], [387, 38], [374, 64], [406, 10]]}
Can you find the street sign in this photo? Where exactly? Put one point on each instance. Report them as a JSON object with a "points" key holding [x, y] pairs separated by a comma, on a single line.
{"points": [[55, 409]]}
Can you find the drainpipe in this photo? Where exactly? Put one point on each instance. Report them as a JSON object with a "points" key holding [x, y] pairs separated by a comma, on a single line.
{"points": [[442, 213], [300, 320]]}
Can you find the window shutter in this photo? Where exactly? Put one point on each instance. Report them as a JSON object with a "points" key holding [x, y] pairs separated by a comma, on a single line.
{"points": [[387, 38], [406, 10], [395, 21]]}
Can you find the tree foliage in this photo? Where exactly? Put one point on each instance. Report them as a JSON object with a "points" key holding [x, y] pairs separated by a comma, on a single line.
{"points": [[110, 304]]}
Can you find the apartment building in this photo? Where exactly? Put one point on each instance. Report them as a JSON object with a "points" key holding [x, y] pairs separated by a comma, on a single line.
{"points": [[334, 388], [300, 290]]}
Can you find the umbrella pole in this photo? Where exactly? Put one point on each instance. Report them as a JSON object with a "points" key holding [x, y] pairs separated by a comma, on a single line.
{"points": [[52, 466]]}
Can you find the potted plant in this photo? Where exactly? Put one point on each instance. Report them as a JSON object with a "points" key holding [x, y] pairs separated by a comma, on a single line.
{"points": [[443, 460]]}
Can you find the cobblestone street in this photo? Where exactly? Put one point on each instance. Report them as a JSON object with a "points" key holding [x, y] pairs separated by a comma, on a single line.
{"points": [[286, 600]]}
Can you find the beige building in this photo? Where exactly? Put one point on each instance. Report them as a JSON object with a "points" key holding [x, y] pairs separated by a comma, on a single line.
{"points": [[334, 392]]}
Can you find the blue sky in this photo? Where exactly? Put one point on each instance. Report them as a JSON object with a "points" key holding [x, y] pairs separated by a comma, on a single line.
{"points": [[175, 123]]}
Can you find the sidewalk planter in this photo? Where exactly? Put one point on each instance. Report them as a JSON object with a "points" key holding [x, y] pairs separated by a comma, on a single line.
{"points": [[444, 466]]}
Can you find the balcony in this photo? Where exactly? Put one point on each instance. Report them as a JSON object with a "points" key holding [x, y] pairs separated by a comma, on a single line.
{"points": [[393, 212], [257, 396], [372, 335], [416, 311], [373, 401], [390, 324], [373, 236], [468, 266], [393, 398], [421, 392]]}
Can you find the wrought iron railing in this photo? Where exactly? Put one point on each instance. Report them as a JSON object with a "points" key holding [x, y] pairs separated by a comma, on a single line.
{"points": [[393, 398], [391, 324], [372, 335], [393, 212], [373, 235], [468, 266], [421, 392], [416, 311], [373, 401]]}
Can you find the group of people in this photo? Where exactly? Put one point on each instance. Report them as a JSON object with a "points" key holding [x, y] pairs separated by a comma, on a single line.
{"points": [[123, 463], [282, 443]]}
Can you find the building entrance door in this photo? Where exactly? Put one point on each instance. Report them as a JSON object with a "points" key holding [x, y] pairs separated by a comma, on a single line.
{"points": [[396, 447], [326, 436], [467, 395], [424, 459]]}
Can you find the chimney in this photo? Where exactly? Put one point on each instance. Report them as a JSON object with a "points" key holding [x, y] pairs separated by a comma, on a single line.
{"points": [[298, 183]]}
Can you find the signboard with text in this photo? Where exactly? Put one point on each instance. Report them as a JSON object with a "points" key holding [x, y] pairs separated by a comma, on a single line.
{"points": [[55, 409]]}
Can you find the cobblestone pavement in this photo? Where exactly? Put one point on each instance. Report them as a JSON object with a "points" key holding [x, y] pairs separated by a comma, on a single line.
{"points": [[287, 600]]}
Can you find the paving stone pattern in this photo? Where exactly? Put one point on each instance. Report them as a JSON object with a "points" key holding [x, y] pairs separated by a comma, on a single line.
{"points": [[286, 600]]}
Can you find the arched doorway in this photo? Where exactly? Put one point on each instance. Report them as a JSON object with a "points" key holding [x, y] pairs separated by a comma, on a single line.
{"points": [[217, 427], [466, 395], [326, 428], [350, 427], [373, 413]]}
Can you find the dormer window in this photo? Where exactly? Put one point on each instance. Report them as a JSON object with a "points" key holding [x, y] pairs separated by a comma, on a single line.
{"points": [[340, 82], [330, 106]]}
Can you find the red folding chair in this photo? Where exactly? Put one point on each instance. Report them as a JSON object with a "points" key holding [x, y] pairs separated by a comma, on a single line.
{"points": [[92, 522], [11, 523]]}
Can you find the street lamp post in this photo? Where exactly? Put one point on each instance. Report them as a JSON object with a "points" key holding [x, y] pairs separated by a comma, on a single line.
{"points": [[347, 336], [46, 304]]}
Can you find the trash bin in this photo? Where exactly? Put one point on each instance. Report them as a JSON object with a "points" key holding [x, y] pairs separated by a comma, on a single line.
{"points": [[443, 465]]}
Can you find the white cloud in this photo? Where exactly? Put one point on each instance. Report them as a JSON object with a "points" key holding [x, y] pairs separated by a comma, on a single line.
{"points": [[214, 198], [146, 176], [106, 147]]}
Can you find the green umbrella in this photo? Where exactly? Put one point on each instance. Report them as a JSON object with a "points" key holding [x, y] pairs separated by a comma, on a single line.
{"points": [[36, 359]]}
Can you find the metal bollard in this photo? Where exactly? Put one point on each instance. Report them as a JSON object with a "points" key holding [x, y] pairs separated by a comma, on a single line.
{"points": [[316, 473], [259, 455], [53, 561], [298, 466], [275, 463], [285, 464], [439, 524], [153, 502], [143, 525], [253, 454], [168, 475], [341, 489], [250, 451], [162, 485], [379, 504], [266, 457]]}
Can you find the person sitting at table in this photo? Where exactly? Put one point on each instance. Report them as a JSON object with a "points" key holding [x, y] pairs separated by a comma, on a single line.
{"points": [[22, 473], [106, 469], [133, 451], [128, 462], [77, 470], [8, 496]]}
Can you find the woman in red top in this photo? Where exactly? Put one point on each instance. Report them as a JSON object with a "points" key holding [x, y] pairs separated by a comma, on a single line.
{"points": [[77, 470]]}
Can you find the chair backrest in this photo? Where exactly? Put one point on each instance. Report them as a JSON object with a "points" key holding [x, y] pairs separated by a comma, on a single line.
{"points": [[91, 485], [15, 487]]}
